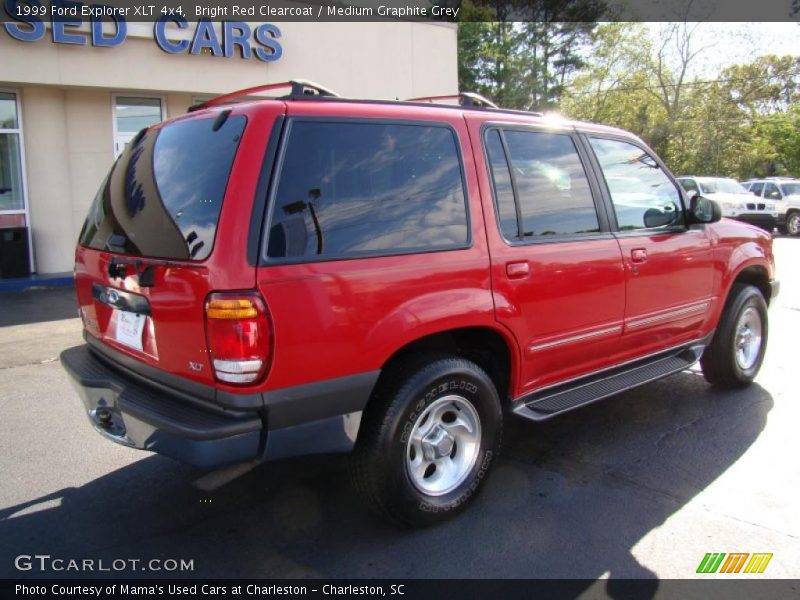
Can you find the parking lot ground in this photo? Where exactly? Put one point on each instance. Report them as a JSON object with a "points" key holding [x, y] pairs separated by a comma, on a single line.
{"points": [[640, 485]]}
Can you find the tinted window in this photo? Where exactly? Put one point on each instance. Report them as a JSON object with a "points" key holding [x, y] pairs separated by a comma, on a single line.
{"points": [[164, 194], [757, 188], [642, 194], [771, 191], [552, 189], [688, 184], [504, 193], [349, 189]]}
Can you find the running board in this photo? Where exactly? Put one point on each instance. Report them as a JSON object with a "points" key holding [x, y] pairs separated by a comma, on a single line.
{"points": [[547, 403]]}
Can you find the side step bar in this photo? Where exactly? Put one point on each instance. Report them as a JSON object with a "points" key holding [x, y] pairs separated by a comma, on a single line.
{"points": [[543, 404]]}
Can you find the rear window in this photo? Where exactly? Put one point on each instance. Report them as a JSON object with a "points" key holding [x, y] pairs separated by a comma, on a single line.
{"points": [[350, 189], [164, 194]]}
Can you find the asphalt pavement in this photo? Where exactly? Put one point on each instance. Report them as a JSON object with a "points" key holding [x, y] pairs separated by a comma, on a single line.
{"points": [[641, 485]]}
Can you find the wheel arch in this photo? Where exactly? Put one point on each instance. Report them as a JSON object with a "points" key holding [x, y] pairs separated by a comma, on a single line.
{"points": [[756, 275], [489, 348]]}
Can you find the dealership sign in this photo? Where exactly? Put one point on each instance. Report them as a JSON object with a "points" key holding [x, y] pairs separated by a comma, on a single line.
{"points": [[235, 38]]}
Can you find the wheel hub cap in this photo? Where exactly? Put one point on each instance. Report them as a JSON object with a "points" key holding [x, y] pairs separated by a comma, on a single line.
{"points": [[748, 338], [437, 444], [443, 446]]}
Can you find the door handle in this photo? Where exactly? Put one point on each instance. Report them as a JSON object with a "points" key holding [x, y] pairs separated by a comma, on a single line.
{"points": [[518, 270], [638, 255]]}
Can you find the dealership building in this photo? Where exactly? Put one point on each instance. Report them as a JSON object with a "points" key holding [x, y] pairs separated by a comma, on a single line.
{"points": [[72, 95]]}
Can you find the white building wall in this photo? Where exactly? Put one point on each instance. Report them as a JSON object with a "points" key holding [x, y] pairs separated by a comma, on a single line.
{"points": [[66, 98]]}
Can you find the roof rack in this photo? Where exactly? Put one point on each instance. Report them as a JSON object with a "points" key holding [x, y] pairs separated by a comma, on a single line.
{"points": [[298, 88], [464, 99]]}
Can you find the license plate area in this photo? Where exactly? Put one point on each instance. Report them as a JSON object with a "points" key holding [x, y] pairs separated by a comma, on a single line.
{"points": [[129, 329]]}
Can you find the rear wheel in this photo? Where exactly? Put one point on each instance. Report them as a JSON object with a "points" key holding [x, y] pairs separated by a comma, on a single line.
{"points": [[793, 223], [734, 356], [428, 442]]}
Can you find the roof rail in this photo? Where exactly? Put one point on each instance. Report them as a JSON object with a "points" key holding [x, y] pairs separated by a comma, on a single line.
{"points": [[464, 99], [298, 88]]}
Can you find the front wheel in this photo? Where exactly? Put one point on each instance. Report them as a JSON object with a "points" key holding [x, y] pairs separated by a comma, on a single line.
{"points": [[427, 444], [793, 223], [734, 356]]}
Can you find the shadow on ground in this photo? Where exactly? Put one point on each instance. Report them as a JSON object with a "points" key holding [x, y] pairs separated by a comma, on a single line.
{"points": [[36, 306], [570, 498]]}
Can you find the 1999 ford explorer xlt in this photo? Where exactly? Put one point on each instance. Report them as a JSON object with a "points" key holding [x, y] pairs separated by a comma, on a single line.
{"points": [[266, 278]]}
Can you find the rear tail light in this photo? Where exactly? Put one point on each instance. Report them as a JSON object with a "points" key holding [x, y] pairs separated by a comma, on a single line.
{"points": [[239, 337]]}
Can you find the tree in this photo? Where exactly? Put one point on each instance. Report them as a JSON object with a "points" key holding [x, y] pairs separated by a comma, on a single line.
{"points": [[525, 55], [551, 55], [613, 71]]}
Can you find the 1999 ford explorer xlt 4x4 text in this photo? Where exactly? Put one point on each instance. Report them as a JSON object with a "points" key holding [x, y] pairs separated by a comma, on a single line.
{"points": [[311, 274]]}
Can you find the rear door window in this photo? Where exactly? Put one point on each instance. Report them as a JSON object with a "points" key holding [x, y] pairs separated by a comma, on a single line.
{"points": [[349, 189], [164, 194], [771, 192], [543, 174]]}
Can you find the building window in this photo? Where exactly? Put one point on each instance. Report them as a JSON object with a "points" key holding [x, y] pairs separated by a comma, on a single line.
{"points": [[132, 114], [12, 188]]}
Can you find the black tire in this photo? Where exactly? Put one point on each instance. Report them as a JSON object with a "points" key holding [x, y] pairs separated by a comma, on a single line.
{"points": [[379, 464], [719, 361]]}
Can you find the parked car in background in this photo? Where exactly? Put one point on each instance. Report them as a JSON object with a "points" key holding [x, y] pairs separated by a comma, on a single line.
{"points": [[734, 199], [785, 193]]}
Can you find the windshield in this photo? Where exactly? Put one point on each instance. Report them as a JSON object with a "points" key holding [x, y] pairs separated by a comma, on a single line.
{"points": [[721, 185], [791, 188], [164, 194]]}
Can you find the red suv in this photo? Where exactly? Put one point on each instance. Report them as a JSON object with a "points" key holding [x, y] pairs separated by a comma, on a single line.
{"points": [[311, 274]]}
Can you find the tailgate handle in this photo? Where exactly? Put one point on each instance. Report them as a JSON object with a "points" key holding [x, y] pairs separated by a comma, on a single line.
{"points": [[121, 300]]}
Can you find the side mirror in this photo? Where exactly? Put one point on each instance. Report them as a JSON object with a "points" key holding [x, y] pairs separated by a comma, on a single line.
{"points": [[704, 210]]}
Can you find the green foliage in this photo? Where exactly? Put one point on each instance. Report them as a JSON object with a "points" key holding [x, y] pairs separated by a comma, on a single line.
{"points": [[524, 57], [742, 123], [782, 132]]}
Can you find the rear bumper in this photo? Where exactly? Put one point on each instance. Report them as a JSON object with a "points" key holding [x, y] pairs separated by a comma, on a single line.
{"points": [[132, 414], [134, 411]]}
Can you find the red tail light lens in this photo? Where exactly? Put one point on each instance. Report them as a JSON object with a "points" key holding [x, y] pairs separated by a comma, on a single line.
{"points": [[239, 337]]}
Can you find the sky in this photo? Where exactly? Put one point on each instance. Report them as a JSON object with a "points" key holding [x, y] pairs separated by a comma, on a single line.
{"points": [[737, 43]]}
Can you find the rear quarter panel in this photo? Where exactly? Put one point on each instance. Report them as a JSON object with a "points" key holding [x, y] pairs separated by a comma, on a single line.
{"points": [[341, 317]]}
